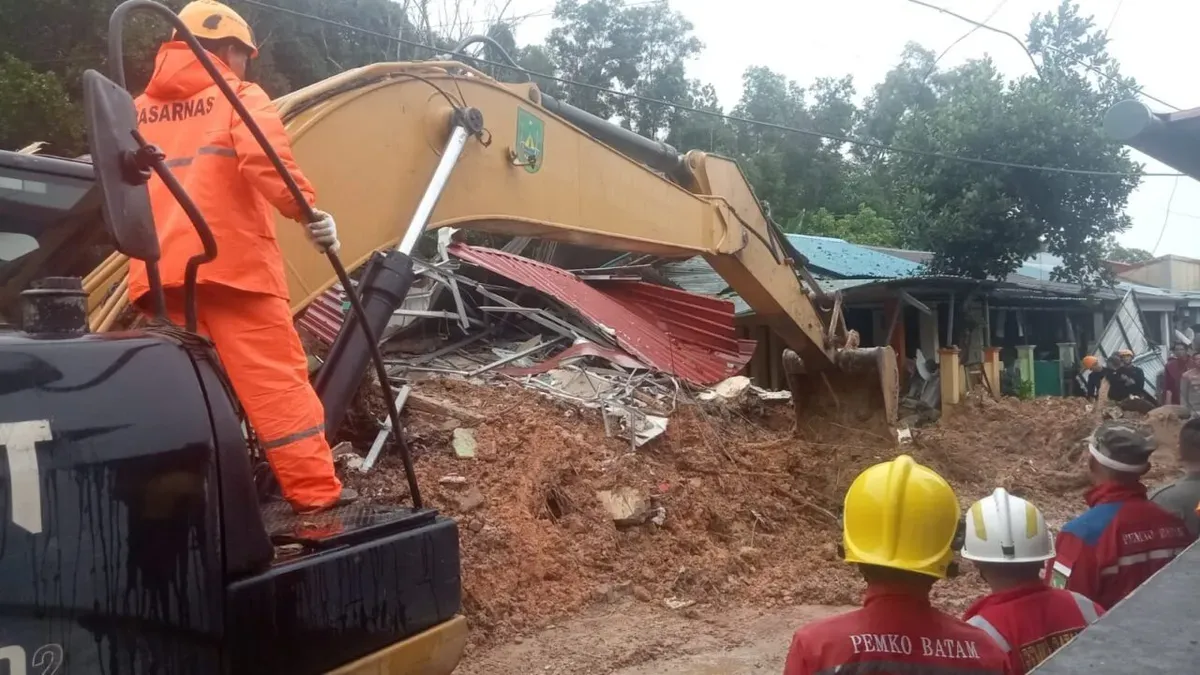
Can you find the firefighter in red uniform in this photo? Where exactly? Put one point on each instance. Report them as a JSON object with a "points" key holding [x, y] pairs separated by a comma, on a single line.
{"points": [[1009, 544], [1123, 538], [900, 523]]}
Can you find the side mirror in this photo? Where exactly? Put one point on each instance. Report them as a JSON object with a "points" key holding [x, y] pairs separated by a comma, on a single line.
{"points": [[112, 124]]}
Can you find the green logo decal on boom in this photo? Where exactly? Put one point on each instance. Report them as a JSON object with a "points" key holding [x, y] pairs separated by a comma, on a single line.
{"points": [[531, 136]]}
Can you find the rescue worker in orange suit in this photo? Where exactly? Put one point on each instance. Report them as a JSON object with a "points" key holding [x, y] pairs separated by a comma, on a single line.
{"points": [[900, 525], [1123, 538], [1008, 541], [242, 295]]}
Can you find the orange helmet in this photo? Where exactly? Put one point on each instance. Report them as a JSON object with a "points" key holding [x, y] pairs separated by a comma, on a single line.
{"points": [[212, 20], [1089, 362]]}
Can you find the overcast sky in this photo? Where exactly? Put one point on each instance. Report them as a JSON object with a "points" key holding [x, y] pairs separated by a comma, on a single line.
{"points": [[805, 39]]}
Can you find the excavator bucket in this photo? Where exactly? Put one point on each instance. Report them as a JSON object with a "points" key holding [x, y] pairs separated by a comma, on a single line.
{"points": [[861, 392]]}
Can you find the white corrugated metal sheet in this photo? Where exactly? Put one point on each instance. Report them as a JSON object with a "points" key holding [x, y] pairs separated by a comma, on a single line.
{"points": [[1126, 330]]}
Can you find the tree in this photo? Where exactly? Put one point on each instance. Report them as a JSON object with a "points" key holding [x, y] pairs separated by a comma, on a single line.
{"points": [[35, 106], [1129, 255], [985, 220], [793, 172], [862, 227], [631, 49]]}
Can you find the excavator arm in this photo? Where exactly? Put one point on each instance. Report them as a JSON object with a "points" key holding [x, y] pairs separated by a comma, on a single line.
{"points": [[370, 139]]}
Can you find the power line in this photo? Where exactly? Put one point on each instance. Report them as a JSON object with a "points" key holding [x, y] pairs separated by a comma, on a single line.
{"points": [[1025, 47], [1114, 16], [990, 16], [1166, 218], [734, 118]]}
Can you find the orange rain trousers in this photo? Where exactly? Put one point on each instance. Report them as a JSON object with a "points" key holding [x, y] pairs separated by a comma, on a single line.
{"points": [[262, 354]]}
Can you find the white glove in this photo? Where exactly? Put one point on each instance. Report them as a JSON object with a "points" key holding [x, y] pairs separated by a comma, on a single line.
{"points": [[322, 232]]}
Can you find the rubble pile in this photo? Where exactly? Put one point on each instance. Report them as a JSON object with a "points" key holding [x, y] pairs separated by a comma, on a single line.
{"points": [[590, 456], [734, 503]]}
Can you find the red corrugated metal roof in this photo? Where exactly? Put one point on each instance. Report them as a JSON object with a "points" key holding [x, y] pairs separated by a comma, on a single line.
{"points": [[701, 351], [324, 316], [700, 319]]}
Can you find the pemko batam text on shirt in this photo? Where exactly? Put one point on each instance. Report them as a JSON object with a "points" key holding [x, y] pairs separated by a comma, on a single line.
{"points": [[897, 632]]}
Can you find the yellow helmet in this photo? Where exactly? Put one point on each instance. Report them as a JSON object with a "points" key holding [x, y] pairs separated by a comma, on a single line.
{"points": [[212, 20], [902, 515]]}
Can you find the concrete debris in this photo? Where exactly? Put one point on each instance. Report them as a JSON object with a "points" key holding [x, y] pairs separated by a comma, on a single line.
{"points": [[464, 443], [639, 428], [739, 387], [676, 603], [452, 480], [626, 506], [470, 500]]}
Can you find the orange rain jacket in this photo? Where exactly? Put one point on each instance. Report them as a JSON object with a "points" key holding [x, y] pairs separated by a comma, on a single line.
{"points": [[224, 171]]}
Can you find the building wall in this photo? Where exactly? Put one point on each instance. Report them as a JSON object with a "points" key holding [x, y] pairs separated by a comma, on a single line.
{"points": [[1177, 274]]}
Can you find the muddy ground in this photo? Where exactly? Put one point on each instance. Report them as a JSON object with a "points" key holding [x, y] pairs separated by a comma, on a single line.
{"points": [[751, 501]]}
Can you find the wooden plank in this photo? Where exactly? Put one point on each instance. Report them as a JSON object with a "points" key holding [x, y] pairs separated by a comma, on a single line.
{"points": [[443, 408]]}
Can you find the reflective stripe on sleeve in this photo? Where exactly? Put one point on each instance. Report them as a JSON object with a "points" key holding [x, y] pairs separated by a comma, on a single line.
{"points": [[987, 627], [1086, 607], [882, 666], [1136, 558]]}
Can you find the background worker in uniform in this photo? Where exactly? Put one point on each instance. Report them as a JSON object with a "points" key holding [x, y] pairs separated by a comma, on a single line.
{"points": [[1182, 495], [1131, 377], [900, 525], [242, 294], [1094, 374], [1008, 541], [1123, 537], [1179, 364]]}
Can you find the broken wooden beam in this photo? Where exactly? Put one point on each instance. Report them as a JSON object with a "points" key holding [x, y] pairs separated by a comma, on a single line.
{"points": [[443, 408]]}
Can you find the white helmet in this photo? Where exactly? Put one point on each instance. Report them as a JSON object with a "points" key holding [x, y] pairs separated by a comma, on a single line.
{"points": [[1006, 529]]}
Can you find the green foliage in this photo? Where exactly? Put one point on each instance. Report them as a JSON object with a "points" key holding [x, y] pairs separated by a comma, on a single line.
{"points": [[983, 221], [864, 226], [1129, 255], [978, 220], [34, 106]]}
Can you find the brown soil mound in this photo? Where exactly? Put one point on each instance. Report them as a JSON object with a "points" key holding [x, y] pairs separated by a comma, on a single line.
{"points": [[751, 498]]}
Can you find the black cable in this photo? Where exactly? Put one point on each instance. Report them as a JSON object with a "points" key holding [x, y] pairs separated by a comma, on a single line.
{"points": [[733, 118], [115, 30], [1072, 59]]}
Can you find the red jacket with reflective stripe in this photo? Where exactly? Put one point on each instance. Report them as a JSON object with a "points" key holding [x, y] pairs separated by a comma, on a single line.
{"points": [[1116, 544], [1030, 622], [895, 632], [224, 171]]}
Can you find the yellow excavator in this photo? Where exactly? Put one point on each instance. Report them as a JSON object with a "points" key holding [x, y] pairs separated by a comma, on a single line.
{"points": [[507, 159], [133, 536]]}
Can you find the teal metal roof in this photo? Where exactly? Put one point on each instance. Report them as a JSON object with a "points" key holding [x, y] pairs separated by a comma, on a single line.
{"points": [[843, 259]]}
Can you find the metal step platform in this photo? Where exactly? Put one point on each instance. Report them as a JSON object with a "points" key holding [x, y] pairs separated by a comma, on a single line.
{"points": [[342, 526], [1154, 630]]}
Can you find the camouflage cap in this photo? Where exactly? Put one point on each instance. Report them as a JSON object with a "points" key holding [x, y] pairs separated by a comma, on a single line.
{"points": [[1123, 445]]}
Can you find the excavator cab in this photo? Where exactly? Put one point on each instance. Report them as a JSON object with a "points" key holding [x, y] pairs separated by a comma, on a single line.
{"points": [[133, 538]]}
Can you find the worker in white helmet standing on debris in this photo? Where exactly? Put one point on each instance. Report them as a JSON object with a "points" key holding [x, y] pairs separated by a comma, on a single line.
{"points": [[901, 523], [1007, 539]]}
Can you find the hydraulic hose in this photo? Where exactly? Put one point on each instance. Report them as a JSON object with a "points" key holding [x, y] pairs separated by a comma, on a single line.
{"points": [[117, 66]]}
